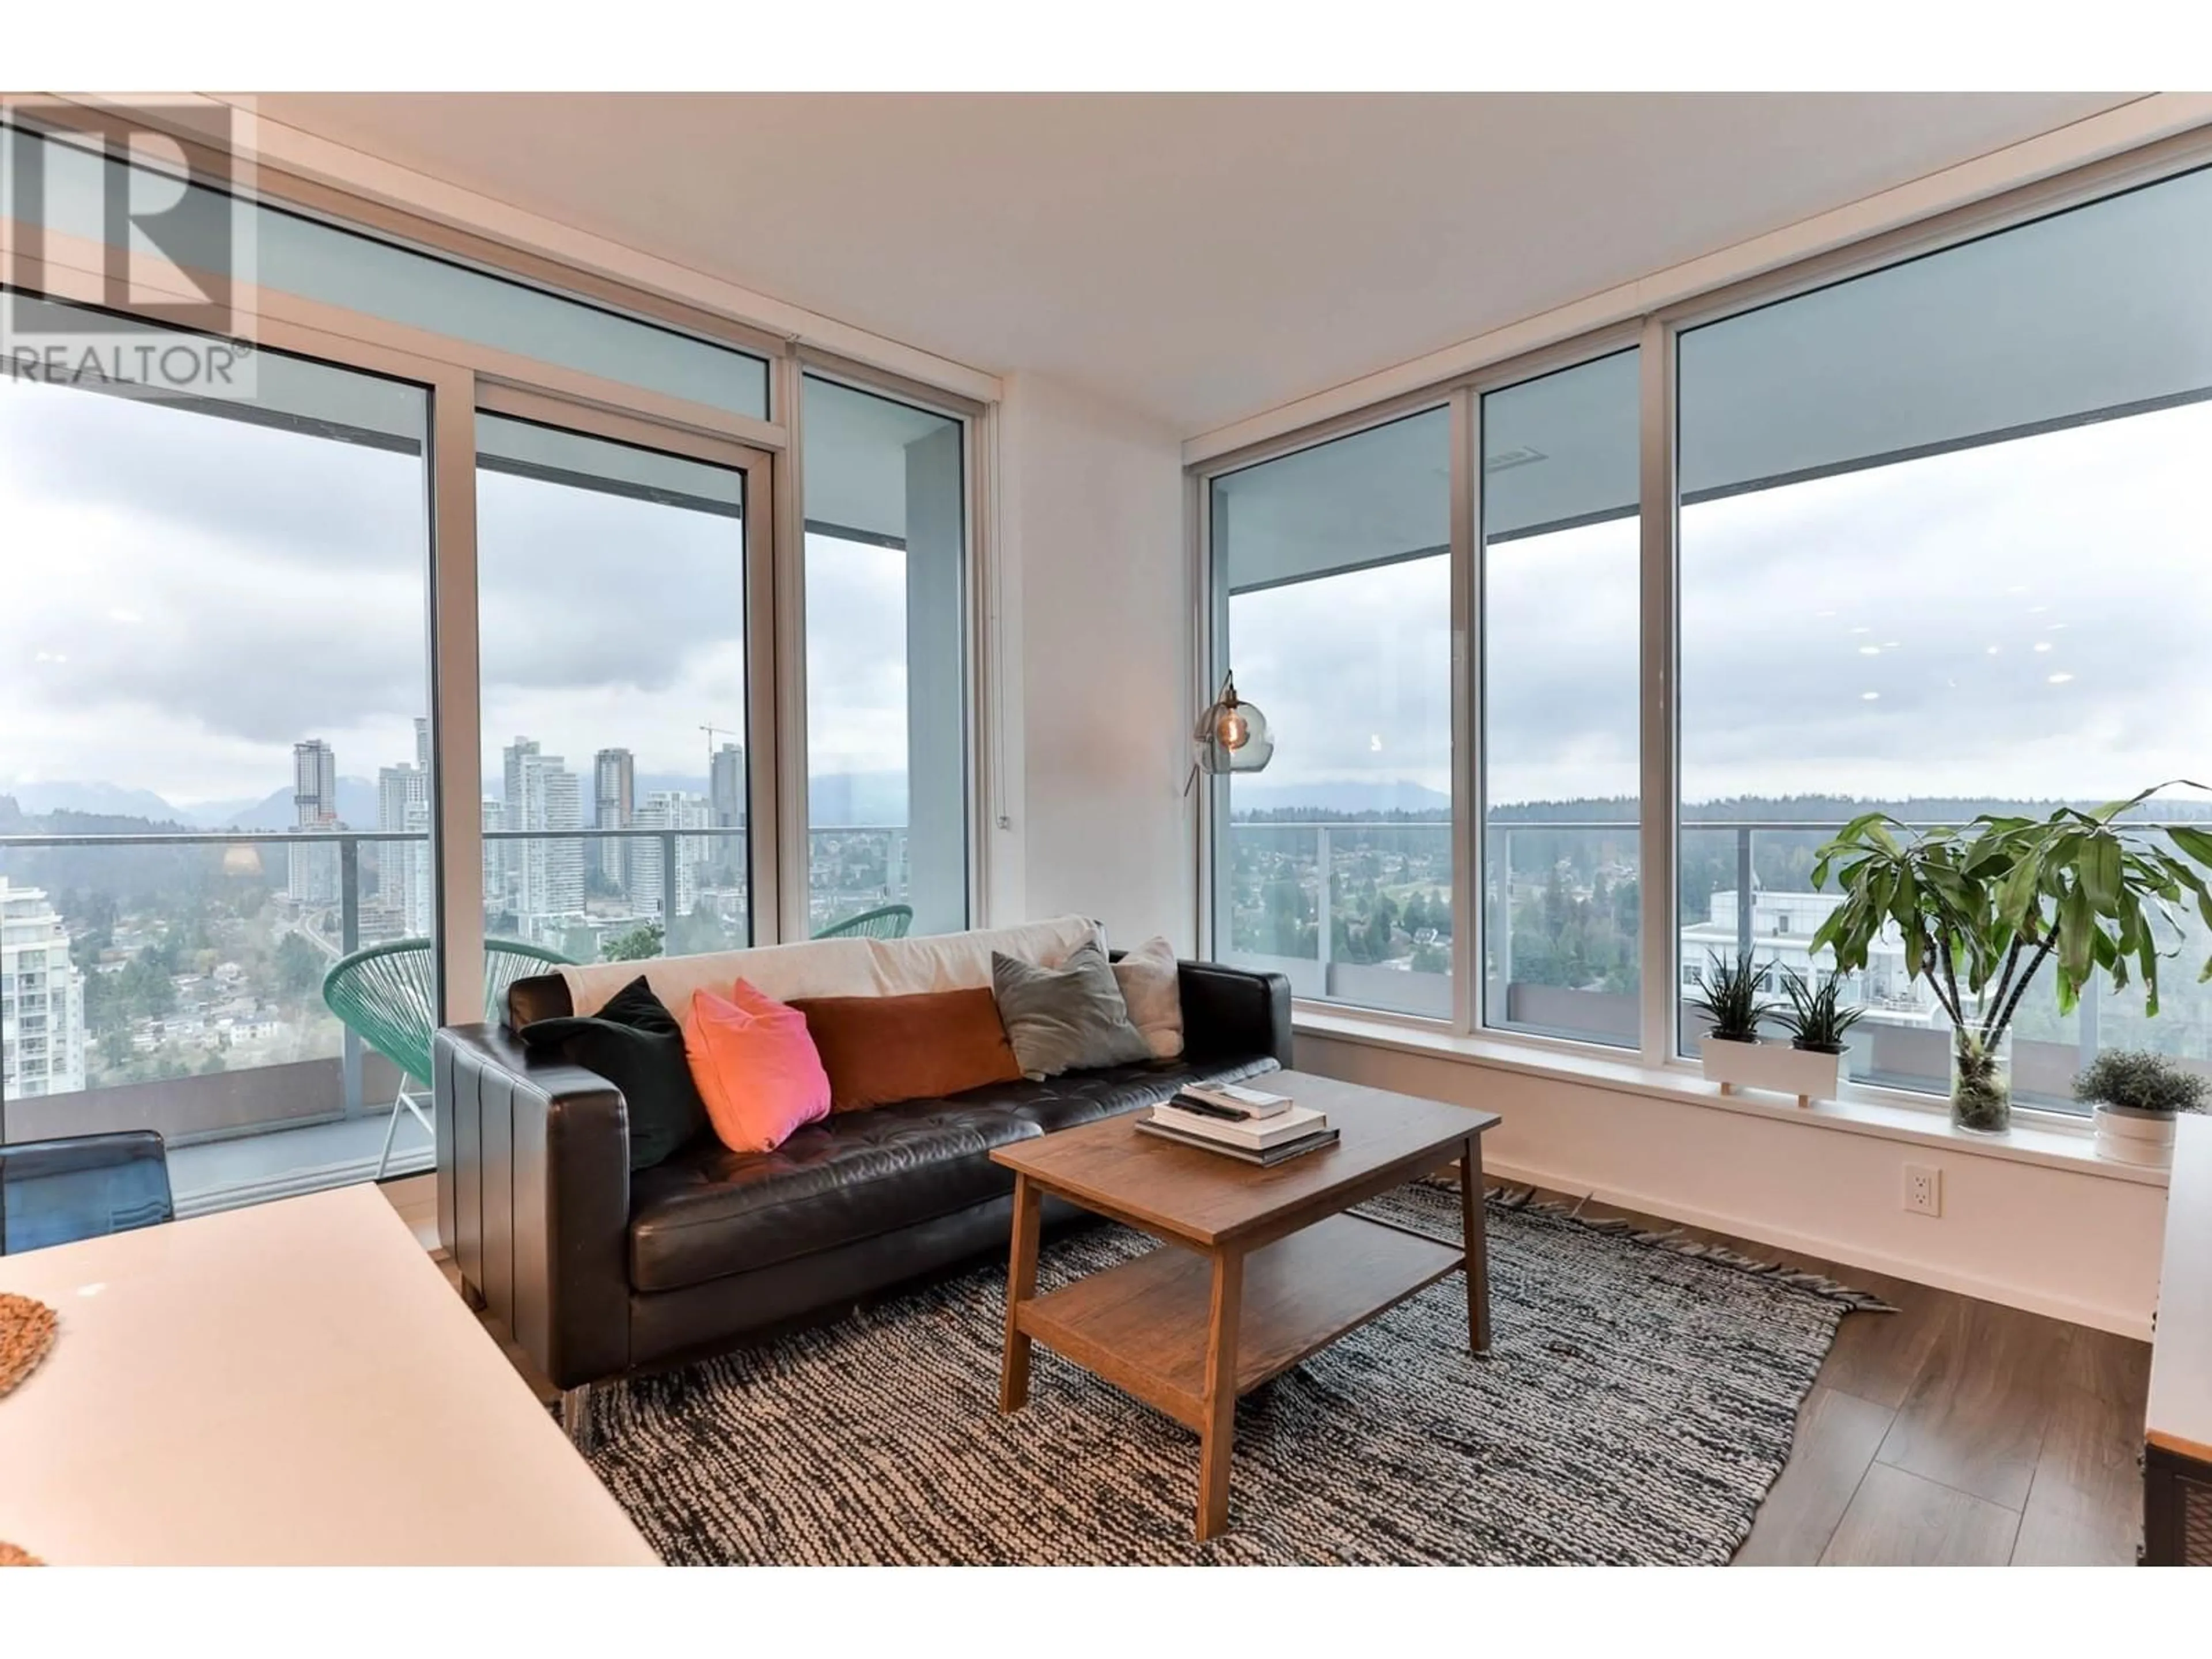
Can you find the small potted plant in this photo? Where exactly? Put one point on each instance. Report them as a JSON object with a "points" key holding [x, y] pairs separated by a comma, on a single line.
{"points": [[1818, 1020], [2138, 1095], [1732, 997]]}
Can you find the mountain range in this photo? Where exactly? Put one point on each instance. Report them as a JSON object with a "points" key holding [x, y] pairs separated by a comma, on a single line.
{"points": [[880, 797], [1256, 795], [833, 797]]}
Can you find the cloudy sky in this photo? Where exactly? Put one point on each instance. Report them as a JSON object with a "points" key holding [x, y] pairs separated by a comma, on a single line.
{"points": [[2023, 619], [187, 597]]}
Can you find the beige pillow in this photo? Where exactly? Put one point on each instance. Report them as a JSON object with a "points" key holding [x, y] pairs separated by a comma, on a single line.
{"points": [[1150, 986]]}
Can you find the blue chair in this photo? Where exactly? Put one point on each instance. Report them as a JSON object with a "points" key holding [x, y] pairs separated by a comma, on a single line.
{"points": [[56, 1192]]}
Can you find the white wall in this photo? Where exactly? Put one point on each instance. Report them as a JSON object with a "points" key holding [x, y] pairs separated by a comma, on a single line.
{"points": [[2079, 1247], [1092, 667]]}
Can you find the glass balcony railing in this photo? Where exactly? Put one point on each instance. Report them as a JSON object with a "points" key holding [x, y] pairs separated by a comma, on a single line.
{"points": [[174, 980], [1562, 901], [1350, 912]]}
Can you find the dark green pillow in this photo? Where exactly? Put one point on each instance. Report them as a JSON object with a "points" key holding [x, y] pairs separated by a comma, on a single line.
{"points": [[634, 1043]]}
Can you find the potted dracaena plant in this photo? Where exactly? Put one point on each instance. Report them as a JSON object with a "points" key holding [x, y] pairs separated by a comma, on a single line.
{"points": [[2136, 1096], [1982, 910]]}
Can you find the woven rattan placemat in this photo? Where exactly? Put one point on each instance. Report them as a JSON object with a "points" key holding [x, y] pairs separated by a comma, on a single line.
{"points": [[27, 1331]]}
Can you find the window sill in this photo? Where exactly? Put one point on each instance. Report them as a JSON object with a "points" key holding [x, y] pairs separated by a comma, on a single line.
{"points": [[2053, 1145]]}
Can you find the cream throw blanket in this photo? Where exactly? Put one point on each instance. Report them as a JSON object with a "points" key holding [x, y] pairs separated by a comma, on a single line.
{"points": [[837, 967]]}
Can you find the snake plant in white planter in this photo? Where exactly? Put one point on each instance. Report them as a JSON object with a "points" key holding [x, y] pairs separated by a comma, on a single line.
{"points": [[1732, 995], [1818, 1020]]}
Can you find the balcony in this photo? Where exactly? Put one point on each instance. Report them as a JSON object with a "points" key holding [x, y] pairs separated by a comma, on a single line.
{"points": [[1561, 948], [224, 1045]]}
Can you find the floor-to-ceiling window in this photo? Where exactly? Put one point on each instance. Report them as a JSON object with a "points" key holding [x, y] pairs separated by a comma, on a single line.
{"points": [[215, 769], [1334, 864], [448, 633], [1561, 893], [612, 607], [1925, 539], [1943, 552], [886, 663]]}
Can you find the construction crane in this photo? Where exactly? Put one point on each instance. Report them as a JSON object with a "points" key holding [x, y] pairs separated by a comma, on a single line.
{"points": [[714, 732]]}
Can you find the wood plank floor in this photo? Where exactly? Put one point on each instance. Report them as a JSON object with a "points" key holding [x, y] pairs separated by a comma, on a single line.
{"points": [[1955, 1432], [1951, 1432]]}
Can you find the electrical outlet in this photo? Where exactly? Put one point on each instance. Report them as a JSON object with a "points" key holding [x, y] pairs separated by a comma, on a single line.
{"points": [[1924, 1190]]}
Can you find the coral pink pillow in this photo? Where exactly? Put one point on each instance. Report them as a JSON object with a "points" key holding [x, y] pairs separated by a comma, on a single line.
{"points": [[756, 1067]]}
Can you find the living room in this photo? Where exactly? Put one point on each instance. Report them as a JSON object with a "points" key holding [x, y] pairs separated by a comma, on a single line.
{"points": [[932, 826]]}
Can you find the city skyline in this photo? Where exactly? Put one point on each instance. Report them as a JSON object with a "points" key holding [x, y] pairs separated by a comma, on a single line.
{"points": [[193, 629]]}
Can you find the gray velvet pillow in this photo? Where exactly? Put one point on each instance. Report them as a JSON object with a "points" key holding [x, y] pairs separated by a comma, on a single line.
{"points": [[1065, 1019]]}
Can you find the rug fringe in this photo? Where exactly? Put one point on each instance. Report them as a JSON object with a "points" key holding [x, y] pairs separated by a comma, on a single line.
{"points": [[1675, 1240]]}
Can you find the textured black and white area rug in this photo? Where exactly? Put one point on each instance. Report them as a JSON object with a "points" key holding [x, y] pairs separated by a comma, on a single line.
{"points": [[1636, 1406]]}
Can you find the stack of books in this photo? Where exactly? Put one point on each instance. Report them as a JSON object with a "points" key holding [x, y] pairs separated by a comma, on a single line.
{"points": [[1248, 1124]]}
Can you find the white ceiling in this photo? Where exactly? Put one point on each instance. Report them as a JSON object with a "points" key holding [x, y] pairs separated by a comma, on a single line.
{"points": [[1197, 258]]}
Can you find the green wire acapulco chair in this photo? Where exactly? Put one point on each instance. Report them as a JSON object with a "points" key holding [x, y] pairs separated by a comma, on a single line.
{"points": [[888, 921], [382, 995]]}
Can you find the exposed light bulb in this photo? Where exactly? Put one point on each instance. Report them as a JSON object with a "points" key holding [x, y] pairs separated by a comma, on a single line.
{"points": [[1232, 729]]}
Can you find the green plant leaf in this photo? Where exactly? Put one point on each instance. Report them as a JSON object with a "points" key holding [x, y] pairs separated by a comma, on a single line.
{"points": [[2100, 871], [2075, 951], [2016, 895], [2195, 843]]}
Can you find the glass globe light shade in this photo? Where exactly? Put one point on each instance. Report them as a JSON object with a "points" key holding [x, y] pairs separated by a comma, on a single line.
{"points": [[1232, 735]]}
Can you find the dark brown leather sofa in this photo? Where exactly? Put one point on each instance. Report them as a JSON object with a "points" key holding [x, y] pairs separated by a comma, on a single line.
{"points": [[598, 1273]]}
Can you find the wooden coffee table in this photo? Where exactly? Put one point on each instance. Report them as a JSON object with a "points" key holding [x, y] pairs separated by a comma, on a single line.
{"points": [[1261, 1267]]}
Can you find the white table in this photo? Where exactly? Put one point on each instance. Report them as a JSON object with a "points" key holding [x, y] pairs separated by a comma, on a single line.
{"points": [[293, 1383]]}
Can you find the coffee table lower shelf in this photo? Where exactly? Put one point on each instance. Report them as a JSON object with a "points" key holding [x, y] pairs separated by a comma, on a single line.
{"points": [[1145, 1326]]}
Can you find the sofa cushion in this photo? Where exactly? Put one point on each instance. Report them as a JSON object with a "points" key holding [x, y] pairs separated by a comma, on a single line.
{"points": [[1066, 1018], [637, 1045], [882, 1049], [709, 1212], [854, 1175], [757, 1067], [1151, 986]]}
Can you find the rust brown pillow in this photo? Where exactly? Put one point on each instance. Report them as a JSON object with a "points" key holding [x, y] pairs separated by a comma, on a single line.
{"points": [[881, 1049]]}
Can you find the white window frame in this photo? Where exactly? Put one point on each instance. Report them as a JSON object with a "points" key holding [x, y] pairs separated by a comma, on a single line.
{"points": [[462, 377], [1655, 336]]}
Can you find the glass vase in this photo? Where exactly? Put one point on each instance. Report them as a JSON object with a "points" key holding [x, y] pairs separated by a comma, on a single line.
{"points": [[1981, 1082]]}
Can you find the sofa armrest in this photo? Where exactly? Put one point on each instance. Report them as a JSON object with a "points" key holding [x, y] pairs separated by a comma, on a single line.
{"points": [[1233, 1013], [533, 1197]]}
